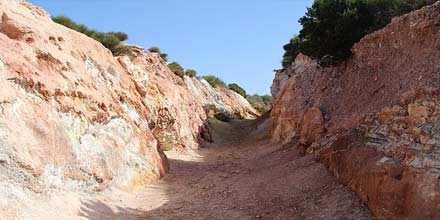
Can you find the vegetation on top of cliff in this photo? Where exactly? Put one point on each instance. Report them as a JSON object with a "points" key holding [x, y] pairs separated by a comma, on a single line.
{"points": [[262, 103], [154, 49], [177, 69], [291, 51], [191, 73], [164, 56], [331, 27], [214, 81], [236, 88], [111, 40]]}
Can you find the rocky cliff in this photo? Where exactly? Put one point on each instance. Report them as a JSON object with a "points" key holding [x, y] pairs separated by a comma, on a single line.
{"points": [[373, 120], [282, 76], [75, 118]]}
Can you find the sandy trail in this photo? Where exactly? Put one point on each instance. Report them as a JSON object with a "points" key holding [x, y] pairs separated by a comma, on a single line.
{"points": [[241, 176]]}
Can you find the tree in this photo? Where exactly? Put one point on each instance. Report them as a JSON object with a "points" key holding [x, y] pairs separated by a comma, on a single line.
{"points": [[236, 88], [214, 81], [177, 69], [191, 73], [331, 27], [292, 50]]}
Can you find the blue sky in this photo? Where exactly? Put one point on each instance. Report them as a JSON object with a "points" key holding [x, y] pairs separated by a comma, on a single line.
{"points": [[238, 40]]}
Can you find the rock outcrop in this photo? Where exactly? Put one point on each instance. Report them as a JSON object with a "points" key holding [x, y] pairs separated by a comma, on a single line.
{"points": [[220, 100], [379, 116], [282, 76], [392, 160], [75, 118]]}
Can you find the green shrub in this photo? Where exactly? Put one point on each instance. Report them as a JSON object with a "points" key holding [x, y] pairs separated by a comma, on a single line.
{"points": [[120, 35], [214, 81], [331, 27], [121, 50], [262, 109], [164, 56], [236, 88], [154, 49], [111, 40], [177, 69], [261, 103], [191, 73], [268, 99], [108, 40], [85, 30], [65, 21]]}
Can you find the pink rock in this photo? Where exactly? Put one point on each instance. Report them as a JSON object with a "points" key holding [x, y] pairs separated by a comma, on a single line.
{"points": [[75, 118]]}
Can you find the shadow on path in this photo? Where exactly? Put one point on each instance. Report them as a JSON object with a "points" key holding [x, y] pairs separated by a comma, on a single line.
{"points": [[98, 210], [241, 176]]}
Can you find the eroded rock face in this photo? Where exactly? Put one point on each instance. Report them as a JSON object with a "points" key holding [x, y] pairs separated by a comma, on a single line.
{"points": [[390, 158], [172, 113], [312, 126], [75, 118], [386, 64], [281, 76], [70, 116], [220, 100], [301, 63]]}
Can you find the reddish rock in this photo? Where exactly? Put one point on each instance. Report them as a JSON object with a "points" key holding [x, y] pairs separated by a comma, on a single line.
{"points": [[418, 114], [389, 114], [312, 126], [381, 116], [391, 189], [301, 63]]}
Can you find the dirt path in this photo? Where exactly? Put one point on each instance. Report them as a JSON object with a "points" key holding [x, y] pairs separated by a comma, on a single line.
{"points": [[242, 176]]}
